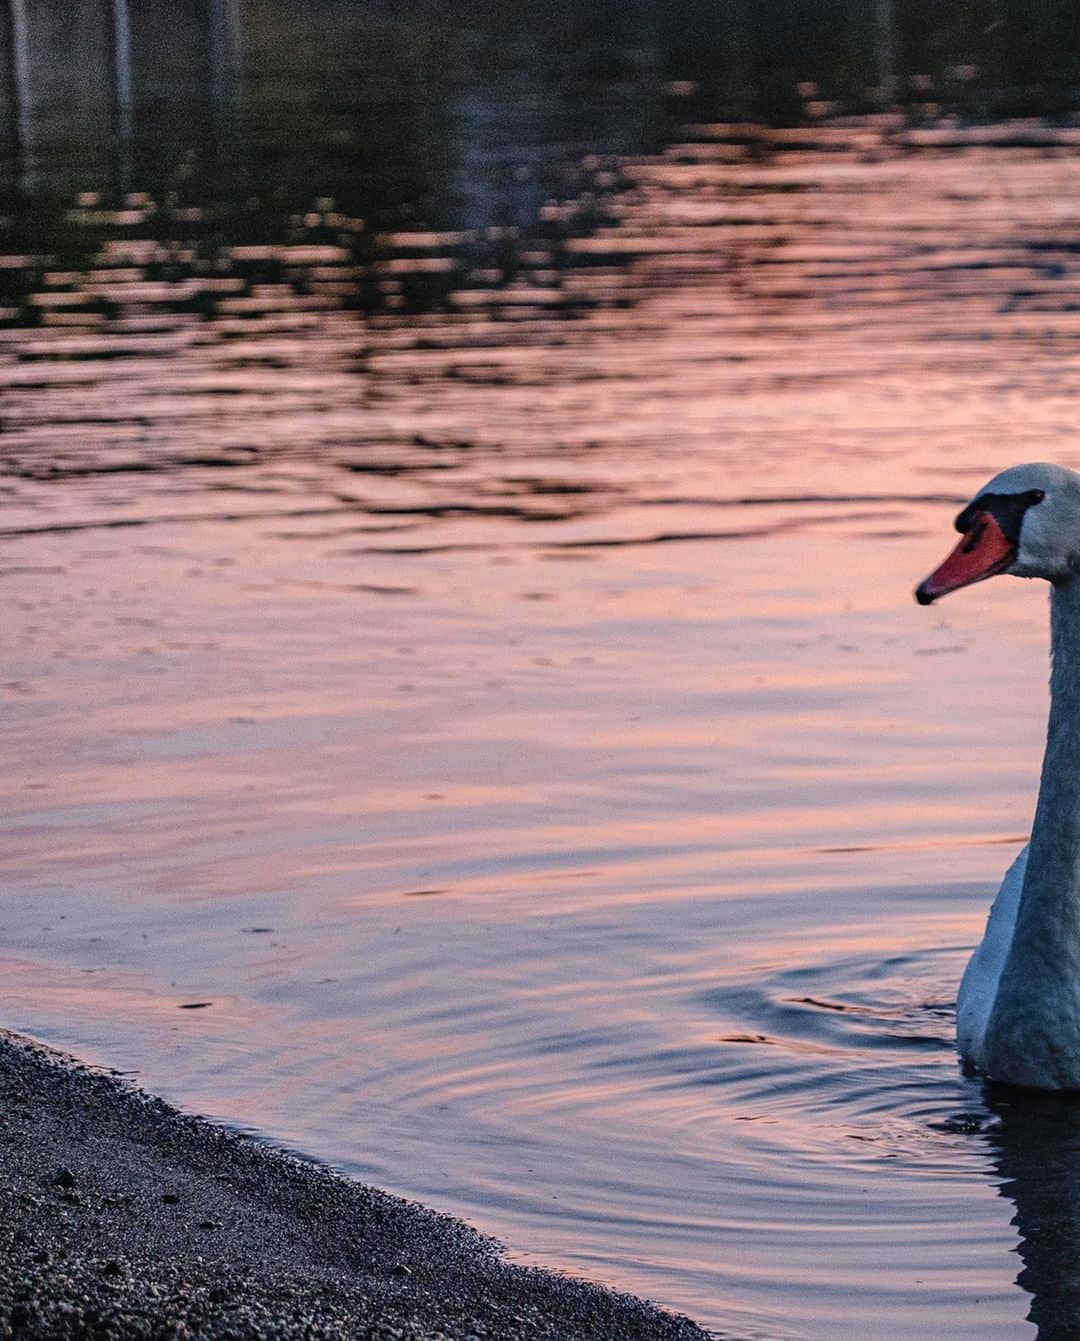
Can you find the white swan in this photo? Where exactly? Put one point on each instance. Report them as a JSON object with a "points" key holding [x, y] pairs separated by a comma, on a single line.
{"points": [[1018, 1009]]}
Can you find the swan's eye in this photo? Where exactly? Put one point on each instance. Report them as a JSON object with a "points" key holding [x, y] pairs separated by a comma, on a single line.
{"points": [[1006, 509], [973, 534]]}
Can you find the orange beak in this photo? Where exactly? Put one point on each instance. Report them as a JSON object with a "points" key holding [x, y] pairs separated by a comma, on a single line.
{"points": [[984, 551]]}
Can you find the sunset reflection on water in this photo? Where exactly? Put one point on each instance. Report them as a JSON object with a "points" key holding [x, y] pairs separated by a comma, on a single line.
{"points": [[504, 702]]}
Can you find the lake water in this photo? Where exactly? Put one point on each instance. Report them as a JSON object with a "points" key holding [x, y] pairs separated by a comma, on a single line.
{"points": [[464, 712]]}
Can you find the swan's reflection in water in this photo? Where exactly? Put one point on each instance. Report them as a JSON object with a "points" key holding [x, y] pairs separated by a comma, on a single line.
{"points": [[1036, 1149]]}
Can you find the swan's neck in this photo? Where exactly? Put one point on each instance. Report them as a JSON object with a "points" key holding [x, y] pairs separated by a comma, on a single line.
{"points": [[1033, 1033], [1051, 897]]}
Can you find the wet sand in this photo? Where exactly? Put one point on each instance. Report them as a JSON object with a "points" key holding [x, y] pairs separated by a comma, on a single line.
{"points": [[121, 1217]]}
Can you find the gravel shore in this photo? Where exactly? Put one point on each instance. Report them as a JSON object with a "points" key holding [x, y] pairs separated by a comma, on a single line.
{"points": [[121, 1217]]}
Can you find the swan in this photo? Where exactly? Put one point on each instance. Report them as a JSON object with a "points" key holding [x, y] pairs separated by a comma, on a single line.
{"points": [[1018, 1007]]}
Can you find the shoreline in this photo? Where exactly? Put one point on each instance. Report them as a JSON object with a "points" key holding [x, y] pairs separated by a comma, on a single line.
{"points": [[121, 1216]]}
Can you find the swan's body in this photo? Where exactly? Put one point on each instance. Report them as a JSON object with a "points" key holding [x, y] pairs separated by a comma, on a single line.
{"points": [[1018, 1008], [978, 986]]}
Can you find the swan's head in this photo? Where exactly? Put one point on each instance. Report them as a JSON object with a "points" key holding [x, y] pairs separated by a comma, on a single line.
{"points": [[1026, 522]]}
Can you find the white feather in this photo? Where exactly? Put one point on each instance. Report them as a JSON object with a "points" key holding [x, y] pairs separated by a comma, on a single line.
{"points": [[978, 986]]}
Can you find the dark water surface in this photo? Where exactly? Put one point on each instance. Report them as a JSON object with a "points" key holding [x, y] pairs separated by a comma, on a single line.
{"points": [[460, 492]]}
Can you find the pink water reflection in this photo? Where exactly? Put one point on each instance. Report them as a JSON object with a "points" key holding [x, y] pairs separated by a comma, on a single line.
{"points": [[522, 732]]}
